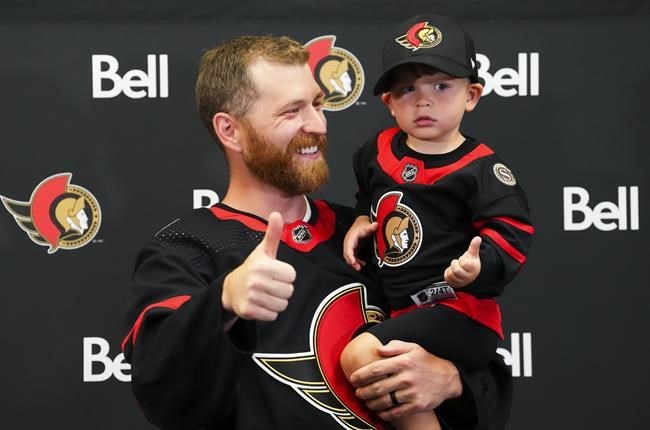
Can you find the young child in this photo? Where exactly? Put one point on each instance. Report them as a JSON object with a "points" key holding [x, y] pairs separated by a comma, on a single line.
{"points": [[450, 222]]}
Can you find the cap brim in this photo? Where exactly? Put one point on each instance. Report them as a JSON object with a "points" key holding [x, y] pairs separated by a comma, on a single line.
{"points": [[443, 64]]}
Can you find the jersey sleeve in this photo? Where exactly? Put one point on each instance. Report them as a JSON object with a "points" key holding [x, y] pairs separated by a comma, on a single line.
{"points": [[501, 215], [183, 361], [360, 164], [485, 402]]}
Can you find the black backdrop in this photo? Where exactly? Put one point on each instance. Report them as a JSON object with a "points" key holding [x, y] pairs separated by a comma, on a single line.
{"points": [[575, 317]]}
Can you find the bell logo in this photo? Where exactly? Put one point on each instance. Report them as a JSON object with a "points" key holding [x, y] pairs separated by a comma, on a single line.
{"points": [[135, 84], [605, 216], [95, 360], [520, 357], [509, 82], [204, 198]]}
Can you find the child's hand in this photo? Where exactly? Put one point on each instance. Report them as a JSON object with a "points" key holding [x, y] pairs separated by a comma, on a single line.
{"points": [[464, 270], [361, 229]]}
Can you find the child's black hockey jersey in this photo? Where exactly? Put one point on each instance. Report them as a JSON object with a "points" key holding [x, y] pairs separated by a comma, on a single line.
{"points": [[188, 373], [429, 207]]}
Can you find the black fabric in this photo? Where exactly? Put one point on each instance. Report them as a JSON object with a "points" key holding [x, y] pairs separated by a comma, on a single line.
{"points": [[443, 332], [189, 374], [492, 391], [447, 210]]}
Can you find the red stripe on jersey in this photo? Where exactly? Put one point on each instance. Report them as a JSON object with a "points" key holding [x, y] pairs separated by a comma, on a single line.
{"points": [[394, 167], [320, 232], [172, 303], [504, 244], [248, 221], [507, 220], [484, 311]]}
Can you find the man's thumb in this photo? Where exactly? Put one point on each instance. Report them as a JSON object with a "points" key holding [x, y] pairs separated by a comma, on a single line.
{"points": [[273, 235]]}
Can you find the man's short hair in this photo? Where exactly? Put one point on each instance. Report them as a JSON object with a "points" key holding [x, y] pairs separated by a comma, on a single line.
{"points": [[224, 83]]}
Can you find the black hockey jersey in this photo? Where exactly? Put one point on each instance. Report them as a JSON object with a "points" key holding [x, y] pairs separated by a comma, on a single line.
{"points": [[188, 373], [429, 207]]}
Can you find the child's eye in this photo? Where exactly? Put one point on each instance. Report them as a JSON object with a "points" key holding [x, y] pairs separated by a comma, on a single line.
{"points": [[407, 89], [441, 86]]}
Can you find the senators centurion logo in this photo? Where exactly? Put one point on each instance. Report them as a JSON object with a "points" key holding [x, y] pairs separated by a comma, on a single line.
{"points": [[316, 375], [399, 235], [420, 35], [337, 71], [58, 215]]}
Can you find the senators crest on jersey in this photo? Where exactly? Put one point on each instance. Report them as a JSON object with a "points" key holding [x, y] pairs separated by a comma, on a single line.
{"points": [[399, 235], [58, 214], [337, 71], [316, 375]]}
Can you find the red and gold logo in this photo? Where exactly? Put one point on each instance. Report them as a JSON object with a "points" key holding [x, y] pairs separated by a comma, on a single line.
{"points": [[59, 214], [337, 71], [420, 35], [399, 235], [316, 375]]}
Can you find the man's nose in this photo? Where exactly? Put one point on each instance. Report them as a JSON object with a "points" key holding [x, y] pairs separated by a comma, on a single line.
{"points": [[315, 122]]}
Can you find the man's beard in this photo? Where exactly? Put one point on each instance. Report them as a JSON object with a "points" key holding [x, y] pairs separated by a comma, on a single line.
{"points": [[282, 169]]}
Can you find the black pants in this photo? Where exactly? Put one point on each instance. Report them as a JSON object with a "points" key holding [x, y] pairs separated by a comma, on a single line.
{"points": [[444, 332]]}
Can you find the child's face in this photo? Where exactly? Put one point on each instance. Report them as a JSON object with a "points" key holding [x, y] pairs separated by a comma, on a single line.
{"points": [[430, 107]]}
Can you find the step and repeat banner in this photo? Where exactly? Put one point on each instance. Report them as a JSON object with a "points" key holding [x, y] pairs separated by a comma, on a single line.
{"points": [[99, 115]]}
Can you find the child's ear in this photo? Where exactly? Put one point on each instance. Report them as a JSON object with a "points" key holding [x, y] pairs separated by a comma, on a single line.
{"points": [[474, 93], [387, 99]]}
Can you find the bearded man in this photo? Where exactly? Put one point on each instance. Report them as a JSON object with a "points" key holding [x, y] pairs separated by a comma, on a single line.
{"points": [[237, 313]]}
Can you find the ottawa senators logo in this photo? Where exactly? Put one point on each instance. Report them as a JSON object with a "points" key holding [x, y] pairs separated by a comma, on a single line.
{"points": [[399, 235], [504, 174], [58, 215], [316, 374], [337, 71], [420, 35]]}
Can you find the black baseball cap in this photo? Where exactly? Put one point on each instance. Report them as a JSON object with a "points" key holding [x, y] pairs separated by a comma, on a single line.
{"points": [[434, 40]]}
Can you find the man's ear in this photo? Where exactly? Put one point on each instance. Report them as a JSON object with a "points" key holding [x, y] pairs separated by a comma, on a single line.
{"points": [[387, 99], [474, 93], [228, 130]]}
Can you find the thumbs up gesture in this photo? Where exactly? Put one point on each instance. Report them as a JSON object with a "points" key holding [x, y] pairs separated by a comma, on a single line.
{"points": [[464, 270], [261, 286]]}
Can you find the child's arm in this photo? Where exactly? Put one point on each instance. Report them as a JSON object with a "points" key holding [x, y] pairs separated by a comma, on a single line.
{"points": [[361, 229], [464, 270], [501, 217]]}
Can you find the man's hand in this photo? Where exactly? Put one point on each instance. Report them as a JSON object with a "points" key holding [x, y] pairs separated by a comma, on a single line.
{"points": [[421, 381], [361, 229], [261, 286], [464, 270]]}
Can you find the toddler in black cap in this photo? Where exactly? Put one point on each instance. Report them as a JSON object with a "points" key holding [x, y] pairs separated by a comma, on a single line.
{"points": [[450, 222]]}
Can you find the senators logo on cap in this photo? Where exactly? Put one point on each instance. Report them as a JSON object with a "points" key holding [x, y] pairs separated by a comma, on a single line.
{"points": [[420, 35], [399, 235], [337, 71], [58, 215]]}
